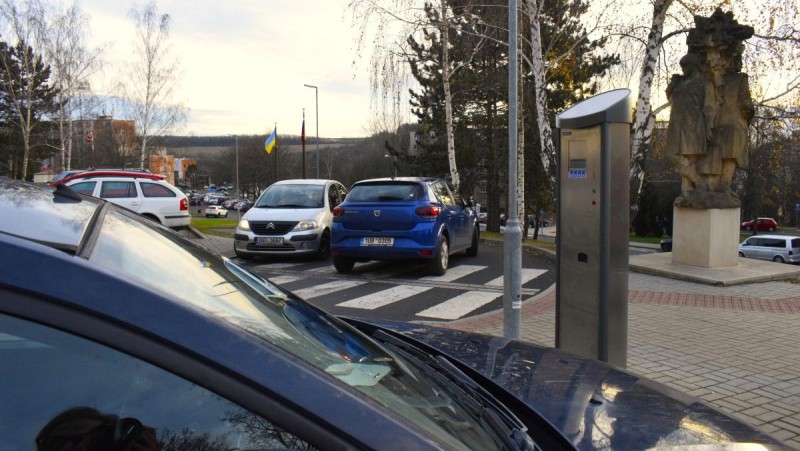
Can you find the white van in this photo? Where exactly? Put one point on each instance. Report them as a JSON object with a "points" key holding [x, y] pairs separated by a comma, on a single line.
{"points": [[777, 248]]}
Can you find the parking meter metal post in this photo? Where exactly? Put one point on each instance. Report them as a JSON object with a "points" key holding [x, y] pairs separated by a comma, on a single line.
{"points": [[593, 224]]}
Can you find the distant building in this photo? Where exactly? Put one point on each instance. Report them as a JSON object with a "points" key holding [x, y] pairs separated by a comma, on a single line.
{"points": [[176, 170], [104, 142], [163, 164]]}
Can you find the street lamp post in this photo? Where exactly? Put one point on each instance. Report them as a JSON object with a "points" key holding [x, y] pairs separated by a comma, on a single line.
{"points": [[394, 164], [316, 120], [238, 195]]}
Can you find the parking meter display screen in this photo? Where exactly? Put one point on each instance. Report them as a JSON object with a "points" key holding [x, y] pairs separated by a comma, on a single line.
{"points": [[577, 168]]}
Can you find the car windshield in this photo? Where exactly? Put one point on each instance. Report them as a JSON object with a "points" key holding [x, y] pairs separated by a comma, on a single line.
{"points": [[385, 192], [292, 196], [211, 283]]}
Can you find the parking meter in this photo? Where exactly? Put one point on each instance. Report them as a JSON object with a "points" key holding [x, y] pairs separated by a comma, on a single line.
{"points": [[593, 225]]}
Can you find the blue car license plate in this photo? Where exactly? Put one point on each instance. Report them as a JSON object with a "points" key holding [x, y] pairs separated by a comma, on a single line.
{"points": [[377, 241]]}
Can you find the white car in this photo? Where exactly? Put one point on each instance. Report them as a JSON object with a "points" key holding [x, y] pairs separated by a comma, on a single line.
{"points": [[217, 211], [146, 194], [290, 217]]}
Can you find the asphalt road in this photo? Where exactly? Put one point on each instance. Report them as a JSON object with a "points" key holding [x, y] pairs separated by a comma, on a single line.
{"points": [[404, 291]]}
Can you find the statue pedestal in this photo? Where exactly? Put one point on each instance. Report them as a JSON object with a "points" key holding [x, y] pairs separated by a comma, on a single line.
{"points": [[708, 238]]}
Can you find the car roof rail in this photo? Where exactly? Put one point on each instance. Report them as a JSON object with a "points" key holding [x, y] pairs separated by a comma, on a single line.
{"points": [[94, 174]]}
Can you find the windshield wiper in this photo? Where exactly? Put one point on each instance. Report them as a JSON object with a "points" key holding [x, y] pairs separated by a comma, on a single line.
{"points": [[474, 397]]}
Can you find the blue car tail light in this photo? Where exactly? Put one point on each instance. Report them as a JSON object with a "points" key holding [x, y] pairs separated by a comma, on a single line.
{"points": [[428, 211]]}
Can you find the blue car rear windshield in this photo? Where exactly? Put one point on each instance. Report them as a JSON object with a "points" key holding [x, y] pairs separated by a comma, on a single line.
{"points": [[385, 192]]}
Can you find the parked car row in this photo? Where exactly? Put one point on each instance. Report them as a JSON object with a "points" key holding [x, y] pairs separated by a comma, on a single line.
{"points": [[379, 219], [241, 205], [147, 340]]}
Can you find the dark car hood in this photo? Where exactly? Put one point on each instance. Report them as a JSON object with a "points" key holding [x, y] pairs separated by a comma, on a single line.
{"points": [[595, 405]]}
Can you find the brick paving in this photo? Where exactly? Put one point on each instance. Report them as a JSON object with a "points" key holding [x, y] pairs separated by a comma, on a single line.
{"points": [[737, 348]]}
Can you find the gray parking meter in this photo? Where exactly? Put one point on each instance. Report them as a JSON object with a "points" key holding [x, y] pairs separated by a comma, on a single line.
{"points": [[593, 224]]}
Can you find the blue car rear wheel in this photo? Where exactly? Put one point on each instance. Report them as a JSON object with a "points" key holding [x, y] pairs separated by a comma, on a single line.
{"points": [[438, 266], [472, 250], [343, 264]]}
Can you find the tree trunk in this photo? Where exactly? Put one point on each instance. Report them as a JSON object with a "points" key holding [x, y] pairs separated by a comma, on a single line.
{"points": [[521, 161], [538, 69], [644, 118], [448, 105]]}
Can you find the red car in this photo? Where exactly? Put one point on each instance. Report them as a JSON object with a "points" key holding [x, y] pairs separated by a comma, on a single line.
{"points": [[767, 224]]}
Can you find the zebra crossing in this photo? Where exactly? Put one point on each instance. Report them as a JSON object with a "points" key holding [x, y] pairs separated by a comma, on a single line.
{"points": [[399, 292]]}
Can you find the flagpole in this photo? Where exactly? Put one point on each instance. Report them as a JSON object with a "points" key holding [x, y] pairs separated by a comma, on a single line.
{"points": [[303, 142], [275, 128]]}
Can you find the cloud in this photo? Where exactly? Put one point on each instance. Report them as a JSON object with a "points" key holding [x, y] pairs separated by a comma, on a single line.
{"points": [[244, 63]]}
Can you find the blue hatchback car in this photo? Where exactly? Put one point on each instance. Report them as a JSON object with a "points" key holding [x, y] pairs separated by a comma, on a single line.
{"points": [[403, 218]]}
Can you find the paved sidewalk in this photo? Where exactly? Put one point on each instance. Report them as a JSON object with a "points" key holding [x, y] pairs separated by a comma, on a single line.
{"points": [[735, 347]]}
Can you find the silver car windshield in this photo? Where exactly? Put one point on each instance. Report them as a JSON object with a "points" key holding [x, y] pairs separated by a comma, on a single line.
{"points": [[293, 196], [198, 278]]}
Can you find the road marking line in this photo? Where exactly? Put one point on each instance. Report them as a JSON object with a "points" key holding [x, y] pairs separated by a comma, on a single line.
{"points": [[528, 274], [459, 306], [385, 297], [387, 273], [282, 265], [456, 272], [280, 280], [327, 288]]}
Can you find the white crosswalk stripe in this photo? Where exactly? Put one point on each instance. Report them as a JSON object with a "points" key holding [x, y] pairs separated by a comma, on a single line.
{"points": [[385, 273], [385, 297], [327, 288], [528, 274], [280, 280], [459, 306], [455, 272], [283, 265]]}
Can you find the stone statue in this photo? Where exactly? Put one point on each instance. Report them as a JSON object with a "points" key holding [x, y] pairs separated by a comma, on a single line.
{"points": [[694, 106], [711, 112]]}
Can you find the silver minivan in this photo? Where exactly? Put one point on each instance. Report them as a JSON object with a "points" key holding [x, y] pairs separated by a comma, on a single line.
{"points": [[777, 248]]}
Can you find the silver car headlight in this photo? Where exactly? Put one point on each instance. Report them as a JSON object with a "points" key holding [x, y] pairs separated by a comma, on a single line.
{"points": [[307, 224], [243, 225]]}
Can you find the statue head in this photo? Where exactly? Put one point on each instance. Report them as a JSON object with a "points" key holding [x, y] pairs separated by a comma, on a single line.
{"points": [[690, 63]]}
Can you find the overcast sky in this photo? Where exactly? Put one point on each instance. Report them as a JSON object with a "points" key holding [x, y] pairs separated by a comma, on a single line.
{"points": [[244, 63]]}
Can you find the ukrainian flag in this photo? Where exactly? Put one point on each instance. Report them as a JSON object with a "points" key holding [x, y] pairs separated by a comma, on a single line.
{"points": [[269, 144]]}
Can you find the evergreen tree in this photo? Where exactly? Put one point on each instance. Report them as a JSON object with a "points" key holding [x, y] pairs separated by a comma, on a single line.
{"points": [[480, 93], [25, 97]]}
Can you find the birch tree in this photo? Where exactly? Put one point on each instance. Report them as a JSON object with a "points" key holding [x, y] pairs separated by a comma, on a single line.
{"points": [[389, 76], [73, 63], [152, 78], [644, 118], [538, 69], [565, 62]]}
